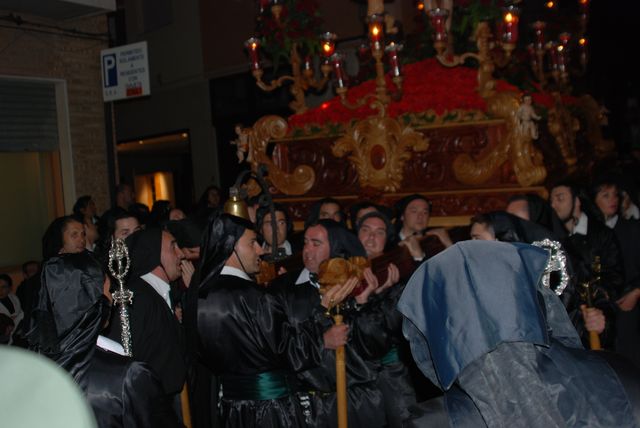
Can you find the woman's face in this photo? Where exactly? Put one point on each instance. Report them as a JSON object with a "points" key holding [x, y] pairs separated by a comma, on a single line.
{"points": [[608, 201]]}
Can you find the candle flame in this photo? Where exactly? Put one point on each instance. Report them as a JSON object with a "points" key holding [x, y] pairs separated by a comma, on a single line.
{"points": [[254, 46], [583, 2], [560, 48], [326, 47], [508, 18], [550, 4], [420, 6], [375, 30], [582, 41]]}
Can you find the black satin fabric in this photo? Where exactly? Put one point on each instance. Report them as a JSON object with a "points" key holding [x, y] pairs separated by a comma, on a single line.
{"points": [[125, 393], [244, 330], [156, 335], [70, 312], [394, 380], [478, 318], [368, 341]]}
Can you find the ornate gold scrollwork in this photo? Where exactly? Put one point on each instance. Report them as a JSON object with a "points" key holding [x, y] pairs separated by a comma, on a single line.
{"points": [[563, 126], [516, 145], [254, 142], [379, 147], [596, 117]]}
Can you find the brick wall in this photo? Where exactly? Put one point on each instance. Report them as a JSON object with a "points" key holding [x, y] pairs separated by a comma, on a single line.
{"points": [[77, 61]]}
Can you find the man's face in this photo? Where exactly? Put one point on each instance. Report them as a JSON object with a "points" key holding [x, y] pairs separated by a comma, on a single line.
{"points": [[177, 214], [171, 257], [363, 212], [330, 211], [416, 216], [281, 228], [125, 227], [562, 202], [73, 238], [31, 270], [5, 288], [519, 208], [90, 210], [480, 231], [316, 248], [248, 252], [127, 195], [373, 236]]}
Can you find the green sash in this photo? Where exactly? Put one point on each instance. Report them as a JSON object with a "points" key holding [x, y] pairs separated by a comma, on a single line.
{"points": [[261, 386]]}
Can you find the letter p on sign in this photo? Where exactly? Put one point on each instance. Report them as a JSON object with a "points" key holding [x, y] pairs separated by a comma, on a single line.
{"points": [[109, 70]]}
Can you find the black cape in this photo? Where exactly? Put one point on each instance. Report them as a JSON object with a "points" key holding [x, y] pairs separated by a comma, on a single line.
{"points": [[501, 346]]}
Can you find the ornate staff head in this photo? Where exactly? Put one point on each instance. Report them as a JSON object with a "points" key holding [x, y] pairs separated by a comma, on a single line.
{"points": [[119, 263], [557, 263]]}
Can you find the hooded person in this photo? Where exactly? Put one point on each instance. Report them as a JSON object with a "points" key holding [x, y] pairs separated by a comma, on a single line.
{"points": [[156, 334], [368, 338], [72, 309], [245, 335], [482, 327]]}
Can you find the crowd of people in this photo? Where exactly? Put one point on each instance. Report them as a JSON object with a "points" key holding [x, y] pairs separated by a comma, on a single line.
{"points": [[212, 347]]}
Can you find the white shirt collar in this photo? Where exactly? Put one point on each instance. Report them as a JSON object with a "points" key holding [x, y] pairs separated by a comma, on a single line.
{"points": [[228, 270], [581, 226], [161, 287], [632, 212], [611, 221], [305, 276], [286, 245], [110, 345]]}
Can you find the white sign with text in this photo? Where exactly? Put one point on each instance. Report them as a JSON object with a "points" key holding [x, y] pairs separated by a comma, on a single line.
{"points": [[125, 72]]}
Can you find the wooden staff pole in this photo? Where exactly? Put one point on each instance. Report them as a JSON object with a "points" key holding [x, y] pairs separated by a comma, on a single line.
{"points": [[186, 410], [341, 381]]}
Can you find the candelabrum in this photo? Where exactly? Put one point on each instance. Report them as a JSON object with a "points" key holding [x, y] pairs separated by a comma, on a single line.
{"points": [[488, 56], [302, 74], [550, 60], [382, 96]]}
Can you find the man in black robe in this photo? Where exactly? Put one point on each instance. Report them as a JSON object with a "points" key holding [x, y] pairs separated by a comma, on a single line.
{"points": [[585, 240], [72, 309], [368, 341], [156, 334], [245, 335]]}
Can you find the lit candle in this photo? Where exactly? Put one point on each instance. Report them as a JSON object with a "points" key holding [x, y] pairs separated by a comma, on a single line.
{"points": [[510, 19], [532, 56], [394, 63], [553, 54], [564, 39], [338, 70], [561, 57], [376, 31], [252, 45], [582, 43], [328, 44], [438, 19], [538, 29]]}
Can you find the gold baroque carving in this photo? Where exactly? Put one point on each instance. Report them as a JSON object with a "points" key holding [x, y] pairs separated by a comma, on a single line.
{"points": [[596, 117], [254, 142], [516, 145], [563, 126], [379, 147]]}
